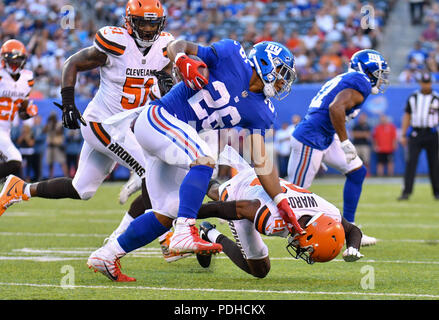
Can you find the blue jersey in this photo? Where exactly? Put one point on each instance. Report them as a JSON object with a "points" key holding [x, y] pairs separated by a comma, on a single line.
{"points": [[316, 129], [226, 100]]}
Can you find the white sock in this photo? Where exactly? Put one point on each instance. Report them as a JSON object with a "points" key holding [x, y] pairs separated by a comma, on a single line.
{"points": [[27, 190], [213, 235], [115, 248], [126, 220]]}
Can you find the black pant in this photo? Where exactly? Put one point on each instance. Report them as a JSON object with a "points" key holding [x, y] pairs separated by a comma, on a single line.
{"points": [[428, 140], [416, 12]]}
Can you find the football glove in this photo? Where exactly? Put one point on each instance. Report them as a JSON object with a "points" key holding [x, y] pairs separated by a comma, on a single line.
{"points": [[32, 109], [349, 150], [189, 71], [287, 214], [70, 114], [165, 81], [352, 254]]}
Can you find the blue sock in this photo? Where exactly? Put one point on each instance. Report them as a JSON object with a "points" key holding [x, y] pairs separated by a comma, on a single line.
{"points": [[193, 190], [352, 192], [141, 231]]}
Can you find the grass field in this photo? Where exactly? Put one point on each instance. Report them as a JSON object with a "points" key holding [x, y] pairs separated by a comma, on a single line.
{"points": [[44, 246]]}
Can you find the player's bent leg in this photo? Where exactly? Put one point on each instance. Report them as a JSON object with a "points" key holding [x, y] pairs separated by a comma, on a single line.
{"points": [[133, 185], [351, 196], [257, 267], [10, 167], [304, 163], [139, 233], [192, 192]]}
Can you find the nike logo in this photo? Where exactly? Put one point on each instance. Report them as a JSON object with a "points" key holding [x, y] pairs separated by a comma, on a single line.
{"points": [[187, 69], [9, 191], [109, 273]]}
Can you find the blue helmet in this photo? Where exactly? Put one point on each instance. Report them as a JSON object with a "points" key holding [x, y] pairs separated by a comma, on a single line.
{"points": [[373, 64], [273, 61]]}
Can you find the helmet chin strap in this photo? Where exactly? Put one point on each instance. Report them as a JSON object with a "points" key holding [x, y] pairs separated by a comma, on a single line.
{"points": [[269, 90]]}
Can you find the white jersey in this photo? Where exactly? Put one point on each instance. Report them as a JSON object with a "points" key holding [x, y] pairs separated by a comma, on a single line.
{"points": [[126, 81], [12, 94], [246, 186]]}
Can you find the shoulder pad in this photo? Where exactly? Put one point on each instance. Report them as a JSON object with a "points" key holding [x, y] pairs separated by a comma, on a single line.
{"points": [[112, 40]]}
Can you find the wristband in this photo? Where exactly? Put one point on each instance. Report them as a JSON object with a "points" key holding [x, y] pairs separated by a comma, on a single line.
{"points": [[68, 95], [179, 55], [279, 197]]}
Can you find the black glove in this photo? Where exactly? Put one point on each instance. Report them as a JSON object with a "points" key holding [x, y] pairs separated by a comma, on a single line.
{"points": [[165, 81], [70, 114]]}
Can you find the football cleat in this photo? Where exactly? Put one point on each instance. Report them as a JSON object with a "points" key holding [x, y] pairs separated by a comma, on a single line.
{"points": [[168, 255], [133, 184], [12, 192], [367, 241], [205, 259], [108, 264], [186, 239]]}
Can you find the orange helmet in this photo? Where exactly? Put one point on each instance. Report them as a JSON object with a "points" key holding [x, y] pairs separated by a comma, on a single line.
{"points": [[145, 20], [13, 56], [322, 242]]}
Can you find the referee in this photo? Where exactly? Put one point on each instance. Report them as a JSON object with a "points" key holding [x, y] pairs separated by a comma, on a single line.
{"points": [[419, 124]]}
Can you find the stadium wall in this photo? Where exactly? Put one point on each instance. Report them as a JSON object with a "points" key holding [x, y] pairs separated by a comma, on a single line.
{"points": [[392, 103]]}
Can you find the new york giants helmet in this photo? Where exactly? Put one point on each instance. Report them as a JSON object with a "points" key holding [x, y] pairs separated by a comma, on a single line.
{"points": [[273, 61], [373, 64]]}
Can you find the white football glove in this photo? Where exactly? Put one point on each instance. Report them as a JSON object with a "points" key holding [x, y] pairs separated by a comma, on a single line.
{"points": [[352, 115], [352, 254], [349, 150]]}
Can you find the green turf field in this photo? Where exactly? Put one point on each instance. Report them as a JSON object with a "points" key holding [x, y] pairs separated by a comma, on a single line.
{"points": [[44, 247]]}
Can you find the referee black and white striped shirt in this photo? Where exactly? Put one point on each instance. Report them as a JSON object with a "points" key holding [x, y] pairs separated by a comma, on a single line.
{"points": [[423, 109]]}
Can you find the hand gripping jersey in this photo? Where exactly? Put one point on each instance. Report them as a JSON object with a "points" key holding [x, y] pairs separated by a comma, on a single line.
{"points": [[316, 129], [12, 94], [125, 80], [226, 100]]}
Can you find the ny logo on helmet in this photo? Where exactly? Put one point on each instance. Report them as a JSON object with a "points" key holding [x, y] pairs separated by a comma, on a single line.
{"points": [[374, 57], [273, 49]]}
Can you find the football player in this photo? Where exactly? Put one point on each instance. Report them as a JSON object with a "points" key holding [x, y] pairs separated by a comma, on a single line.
{"points": [[234, 91], [322, 136], [244, 197], [15, 86], [132, 61]]}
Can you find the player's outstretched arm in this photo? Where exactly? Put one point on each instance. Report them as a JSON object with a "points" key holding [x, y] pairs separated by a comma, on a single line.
{"points": [[86, 59], [344, 101], [269, 178], [353, 237]]}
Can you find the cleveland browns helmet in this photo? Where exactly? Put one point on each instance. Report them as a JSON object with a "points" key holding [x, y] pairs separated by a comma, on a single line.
{"points": [[13, 56], [322, 242], [145, 20]]}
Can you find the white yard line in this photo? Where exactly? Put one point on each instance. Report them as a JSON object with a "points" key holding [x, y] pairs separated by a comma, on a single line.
{"points": [[215, 290]]}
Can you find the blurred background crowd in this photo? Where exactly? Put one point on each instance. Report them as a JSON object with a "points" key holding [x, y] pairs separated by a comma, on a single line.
{"points": [[323, 35]]}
